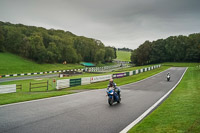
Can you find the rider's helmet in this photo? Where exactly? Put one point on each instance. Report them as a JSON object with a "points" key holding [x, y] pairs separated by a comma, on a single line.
{"points": [[111, 82]]}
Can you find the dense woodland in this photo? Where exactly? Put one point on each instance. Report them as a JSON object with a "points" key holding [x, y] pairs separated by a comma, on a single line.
{"points": [[172, 49], [125, 49], [52, 46]]}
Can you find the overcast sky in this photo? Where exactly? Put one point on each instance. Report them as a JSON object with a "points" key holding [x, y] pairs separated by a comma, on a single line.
{"points": [[119, 23]]}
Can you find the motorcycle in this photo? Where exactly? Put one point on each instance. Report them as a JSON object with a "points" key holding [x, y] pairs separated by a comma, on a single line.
{"points": [[113, 96], [168, 77]]}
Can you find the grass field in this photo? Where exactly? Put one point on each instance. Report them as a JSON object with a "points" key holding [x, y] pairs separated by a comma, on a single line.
{"points": [[12, 64], [123, 56], [180, 112], [25, 95]]}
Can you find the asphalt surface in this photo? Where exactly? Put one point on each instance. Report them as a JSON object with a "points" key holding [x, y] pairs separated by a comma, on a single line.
{"points": [[87, 112], [28, 77]]}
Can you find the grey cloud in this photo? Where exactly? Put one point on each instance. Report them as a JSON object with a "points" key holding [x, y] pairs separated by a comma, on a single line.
{"points": [[117, 23]]}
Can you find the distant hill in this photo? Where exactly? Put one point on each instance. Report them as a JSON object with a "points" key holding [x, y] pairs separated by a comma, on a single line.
{"points": [[52, 46], [13, 64], [123, 55]]}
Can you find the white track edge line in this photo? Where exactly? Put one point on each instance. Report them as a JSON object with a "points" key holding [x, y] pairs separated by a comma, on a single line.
{"points": [[68, 94], [126, 129]]}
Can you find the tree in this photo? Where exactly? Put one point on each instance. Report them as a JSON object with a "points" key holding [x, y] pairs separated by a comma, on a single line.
{"points": [[2, 48]]}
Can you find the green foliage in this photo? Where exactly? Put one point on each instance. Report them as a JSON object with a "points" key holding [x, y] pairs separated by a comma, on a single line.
{"points": [[179, 112], [52, 46], [173, 49]]}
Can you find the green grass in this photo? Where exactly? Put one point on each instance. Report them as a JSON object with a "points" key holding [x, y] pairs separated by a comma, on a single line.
{"points": [[12, 64], [123, 56], [180, 64], [25, 95], [180, 112]]}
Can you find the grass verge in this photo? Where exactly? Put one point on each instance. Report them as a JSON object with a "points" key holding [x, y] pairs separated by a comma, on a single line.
{"points": [[179, 112], [123, 55], [13, 64], [24, 95]]}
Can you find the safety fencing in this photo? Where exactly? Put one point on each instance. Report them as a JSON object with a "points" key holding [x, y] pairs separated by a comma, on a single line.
{"points": [[7, 88], [65, 83], [87, 69], [39, 85]]}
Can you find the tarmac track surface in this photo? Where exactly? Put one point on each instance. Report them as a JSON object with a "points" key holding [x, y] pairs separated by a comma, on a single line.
{"points": [[87, 112]]}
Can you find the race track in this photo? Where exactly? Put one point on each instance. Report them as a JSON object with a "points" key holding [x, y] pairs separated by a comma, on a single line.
{"points": [[87, 112]]}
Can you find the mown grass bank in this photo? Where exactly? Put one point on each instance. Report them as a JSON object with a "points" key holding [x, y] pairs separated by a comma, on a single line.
{"points": [[13, 64], [180, 112], [123, 56], [24, 95]]}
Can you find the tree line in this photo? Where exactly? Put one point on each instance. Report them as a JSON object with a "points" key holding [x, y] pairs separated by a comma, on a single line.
{"points": [[172, 49], [52, 46], [125, 49]]}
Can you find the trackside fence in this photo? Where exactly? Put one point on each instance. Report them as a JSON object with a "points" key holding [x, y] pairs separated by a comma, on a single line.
{"points": [[65, 83], [19, 87], [39, 85]]}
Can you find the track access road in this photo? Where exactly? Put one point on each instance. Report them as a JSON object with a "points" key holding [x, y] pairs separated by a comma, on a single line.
{"points": [[88, 111]]}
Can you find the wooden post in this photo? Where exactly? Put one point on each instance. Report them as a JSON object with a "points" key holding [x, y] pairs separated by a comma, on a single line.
{"points": [[30, 87], [47, 84]]}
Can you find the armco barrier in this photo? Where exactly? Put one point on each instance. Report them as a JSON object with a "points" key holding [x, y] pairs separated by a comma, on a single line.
{"points": [[119, 75], [7, 88], [75, 82], [85, 81], [127, 74], [134, 72], [64, 83], [100, 78], [131, 73]]}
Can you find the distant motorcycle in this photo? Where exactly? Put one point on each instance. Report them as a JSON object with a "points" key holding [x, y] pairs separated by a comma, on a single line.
{"points": [[113, 96], [168, 77]]}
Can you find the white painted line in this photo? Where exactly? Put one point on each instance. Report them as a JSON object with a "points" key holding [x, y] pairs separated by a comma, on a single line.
{"points": [[126, 129]]}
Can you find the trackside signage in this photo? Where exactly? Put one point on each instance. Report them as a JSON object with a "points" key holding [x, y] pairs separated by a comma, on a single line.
{"points": [[100, 78], [7, 88], [119, 75], [64, 83], [85, 80]]}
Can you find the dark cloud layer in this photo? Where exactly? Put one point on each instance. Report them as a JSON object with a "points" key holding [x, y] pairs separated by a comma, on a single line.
{"points": [[117, 23]]}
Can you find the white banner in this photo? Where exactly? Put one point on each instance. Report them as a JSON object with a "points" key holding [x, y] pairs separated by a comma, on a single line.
{"points": [[64, 83], [141, 70], [100, 78], [131, 73], [85, 80], [136, 71], [7, 88]]}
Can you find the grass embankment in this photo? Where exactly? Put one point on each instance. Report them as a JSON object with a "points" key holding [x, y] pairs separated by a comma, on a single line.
{"points": [[24, 95], [13, 64], [180, 112], [178, 64], [123, 56]]}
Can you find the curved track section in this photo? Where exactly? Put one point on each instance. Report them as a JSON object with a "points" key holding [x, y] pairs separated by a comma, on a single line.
{"points": [[88, 111]]}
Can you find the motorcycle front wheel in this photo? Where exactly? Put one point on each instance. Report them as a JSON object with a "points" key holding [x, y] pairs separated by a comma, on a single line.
{"points": [[110, 101]]}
